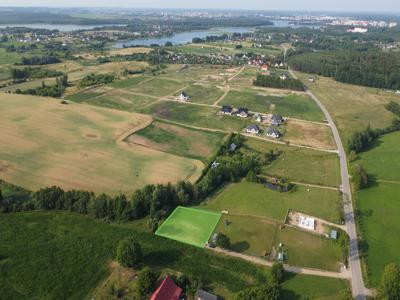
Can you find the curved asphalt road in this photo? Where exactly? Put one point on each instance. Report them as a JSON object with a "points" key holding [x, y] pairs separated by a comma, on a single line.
{"points": [[357, 283]]}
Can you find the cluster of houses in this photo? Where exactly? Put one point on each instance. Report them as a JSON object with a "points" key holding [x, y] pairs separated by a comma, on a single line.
{"points": [[241, 112], [168, 290]]}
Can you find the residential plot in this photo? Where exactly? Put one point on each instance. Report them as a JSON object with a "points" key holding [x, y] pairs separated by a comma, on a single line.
{"points": [[76, 146], [299, 164], [190, 226], [253, 236], [255, 199], [179, 140], [309, 250], [158, 87], [200, 116], [288, 105], [203, 93]]}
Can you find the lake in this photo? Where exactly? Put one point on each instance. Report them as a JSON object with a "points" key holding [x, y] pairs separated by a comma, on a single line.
{"points": [[182, 37]]}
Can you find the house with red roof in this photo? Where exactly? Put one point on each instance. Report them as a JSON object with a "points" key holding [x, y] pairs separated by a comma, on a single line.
{"points": [[167, 290]]}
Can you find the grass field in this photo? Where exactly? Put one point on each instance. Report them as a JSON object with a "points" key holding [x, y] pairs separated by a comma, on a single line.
{"points": [[46, 143], [158, 87], [255, 199], [203, 93], [299, 164], [178, 140], [290, 105], [379, 206], [196, 116], [127, 83], [190, 226], [309, 250], [73, 252], [352, 107], [382, 160], [253, 236]]}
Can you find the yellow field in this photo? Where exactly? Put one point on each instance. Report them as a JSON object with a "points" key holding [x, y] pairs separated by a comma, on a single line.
{"points": [[75, 146]]}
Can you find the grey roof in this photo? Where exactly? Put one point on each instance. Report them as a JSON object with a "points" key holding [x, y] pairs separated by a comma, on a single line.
{"points": [[233, 147], [242, 109], [333, 234], [203, 295], [226, 108], [278, 119], [253, 127], [273, 131]]}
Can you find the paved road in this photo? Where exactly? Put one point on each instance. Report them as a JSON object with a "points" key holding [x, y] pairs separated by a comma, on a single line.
{"points": [[342, 275], [357, 283]]}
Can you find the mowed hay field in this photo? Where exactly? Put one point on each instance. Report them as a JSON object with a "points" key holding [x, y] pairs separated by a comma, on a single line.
{"points": [[75, 146], [352, 107]]}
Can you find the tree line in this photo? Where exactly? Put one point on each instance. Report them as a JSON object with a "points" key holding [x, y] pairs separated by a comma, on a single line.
{"points": [[19, 75], [95, 79], [277, 82], [40, 60], [367, 68], [55, 90]]}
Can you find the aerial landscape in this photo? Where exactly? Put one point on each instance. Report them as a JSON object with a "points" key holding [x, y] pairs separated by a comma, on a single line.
{"points": [[200, 150]]}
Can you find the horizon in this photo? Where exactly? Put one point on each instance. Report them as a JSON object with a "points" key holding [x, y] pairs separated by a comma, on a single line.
{"points": [[339, 6]]}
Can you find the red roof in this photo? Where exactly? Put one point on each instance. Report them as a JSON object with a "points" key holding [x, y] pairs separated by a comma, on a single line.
{"points": [[167, 291]]}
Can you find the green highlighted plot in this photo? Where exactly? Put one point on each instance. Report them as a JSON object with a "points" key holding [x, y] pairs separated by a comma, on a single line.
{"points": [[190, 226]]}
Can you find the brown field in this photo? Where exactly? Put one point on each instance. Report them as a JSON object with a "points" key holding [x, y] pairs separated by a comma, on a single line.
{"points": [[129, 51], [80, 147], [310, 134]]}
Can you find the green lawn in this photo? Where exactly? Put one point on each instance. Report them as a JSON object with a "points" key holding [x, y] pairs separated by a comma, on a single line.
{"points": [[255, 199], [85, 95], [207, 94], [179, 140], [127, 83], [379, 220], [309, 250], [196, 115], [190, 226], [294, 106], [159, 87], [253, 236], [383, 159], [73, 252], [299, 164]]}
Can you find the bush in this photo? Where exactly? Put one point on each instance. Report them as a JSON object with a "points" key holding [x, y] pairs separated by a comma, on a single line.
{"points": [[223, 241], [390, 285], [146, 282], [129, 252], [276, 272], [359, 177]]}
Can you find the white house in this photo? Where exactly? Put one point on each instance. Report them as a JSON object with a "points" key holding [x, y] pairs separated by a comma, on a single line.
{"points": [[273, 133], [253, 129], [283, 77], [184, 97]]}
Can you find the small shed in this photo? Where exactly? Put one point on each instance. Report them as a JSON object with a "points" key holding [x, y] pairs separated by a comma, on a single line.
{"points": [[334, 234], [203, 295], [233, 147]]}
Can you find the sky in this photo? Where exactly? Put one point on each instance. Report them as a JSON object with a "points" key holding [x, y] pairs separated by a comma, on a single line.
{"points": [[293, 5]]}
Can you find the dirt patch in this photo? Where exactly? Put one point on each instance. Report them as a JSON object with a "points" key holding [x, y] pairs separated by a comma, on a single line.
{"points": [[129, 51], [92, 136], [4, 167]]}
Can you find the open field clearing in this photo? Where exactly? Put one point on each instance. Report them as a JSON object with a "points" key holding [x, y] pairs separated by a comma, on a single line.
{"points": [[127, 83], [379, 205], [158, 87], [299, 164], [194, 115], [74, 253], [382, 160], [178, 140], [379, 222], [203, 93], [352, 107], [189, 225], [309, 250], [253, 236], [29, 84], [254, 199], [8, 58], [309, 134], [289, 105], [129, 51], [46, 143], [246, 77]]}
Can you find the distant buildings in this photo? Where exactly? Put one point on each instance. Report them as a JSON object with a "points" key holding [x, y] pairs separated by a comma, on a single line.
{"points": [[358, 30]]}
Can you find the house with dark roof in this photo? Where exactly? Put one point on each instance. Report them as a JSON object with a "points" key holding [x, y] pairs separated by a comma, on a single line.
{"points": [[227, 110], [253, 129], [184, 96], [277, 120], [167, 290], [242, 112], [273, 133], [203, 295]]}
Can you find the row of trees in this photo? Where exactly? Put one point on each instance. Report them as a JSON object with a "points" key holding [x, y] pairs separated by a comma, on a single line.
{"points": [[368, 68], [40, 60], [95, 79], [55, 90], [277, 82], [29, 72]]}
